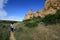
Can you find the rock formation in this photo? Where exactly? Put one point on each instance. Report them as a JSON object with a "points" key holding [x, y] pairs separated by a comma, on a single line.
{"points": [[29, 15], [50, 7], [55, 4]]}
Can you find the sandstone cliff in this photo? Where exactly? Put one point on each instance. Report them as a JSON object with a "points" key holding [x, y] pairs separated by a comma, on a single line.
{"points": [[50, 7], [29, 15]]}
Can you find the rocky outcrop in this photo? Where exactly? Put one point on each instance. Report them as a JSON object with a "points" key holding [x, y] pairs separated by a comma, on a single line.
{"points": [[50, 7], [55, 4], [29, 15]]}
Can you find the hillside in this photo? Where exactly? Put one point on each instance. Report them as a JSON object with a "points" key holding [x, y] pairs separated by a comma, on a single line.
{"points": [[40, 25], [41, 32], [37, 28]]}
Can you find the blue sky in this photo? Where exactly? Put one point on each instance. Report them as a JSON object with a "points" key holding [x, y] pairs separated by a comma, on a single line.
{"points": [[16, 9]]}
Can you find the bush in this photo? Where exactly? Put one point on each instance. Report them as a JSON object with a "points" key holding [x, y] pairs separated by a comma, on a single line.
{"points": [[32, 22], [49, 19], [52, 19], [4, 32]]}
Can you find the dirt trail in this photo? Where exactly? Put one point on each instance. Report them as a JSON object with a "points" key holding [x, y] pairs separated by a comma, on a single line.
{"points": [[12, 36]]}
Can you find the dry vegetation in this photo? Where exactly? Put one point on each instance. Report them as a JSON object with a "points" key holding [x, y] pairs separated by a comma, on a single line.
{"points": [[42, 32], [47, 28]]}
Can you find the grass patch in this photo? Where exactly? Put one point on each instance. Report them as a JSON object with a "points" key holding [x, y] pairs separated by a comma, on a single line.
{"points": [[50, 32]]}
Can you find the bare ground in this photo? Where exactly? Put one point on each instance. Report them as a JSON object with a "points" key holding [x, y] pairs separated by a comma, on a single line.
{"points": [[12, 36]]}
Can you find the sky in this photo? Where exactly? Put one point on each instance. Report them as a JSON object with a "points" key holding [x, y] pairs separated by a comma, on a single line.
{"points": [[16, 9]]}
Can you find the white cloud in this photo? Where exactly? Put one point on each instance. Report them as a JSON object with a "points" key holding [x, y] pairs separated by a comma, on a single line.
{"points": [[16, 18], [5, 1], [3, 13], [12, 17], [2, 3]]}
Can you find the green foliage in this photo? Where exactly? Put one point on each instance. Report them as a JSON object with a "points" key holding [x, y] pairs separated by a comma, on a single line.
{"points": [[4, 31], [28, 24], [49, 19], [18, 29], [52, 19], [32, 22], [57, 16], [37, 19], [7, 21]]}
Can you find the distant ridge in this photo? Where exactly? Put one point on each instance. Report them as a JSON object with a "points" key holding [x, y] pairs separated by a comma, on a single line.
{"points": [[9, 21]]}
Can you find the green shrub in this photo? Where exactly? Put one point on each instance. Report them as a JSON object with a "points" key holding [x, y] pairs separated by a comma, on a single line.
{"points": [[4, 32], [49, 19], [52, 19], [32, 22]]}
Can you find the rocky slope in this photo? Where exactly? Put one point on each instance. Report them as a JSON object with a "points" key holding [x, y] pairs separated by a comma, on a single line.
{"points": [[50, 7]]}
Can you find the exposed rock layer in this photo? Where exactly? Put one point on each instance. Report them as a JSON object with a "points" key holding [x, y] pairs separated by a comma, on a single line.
{"points": [[50, 7]]}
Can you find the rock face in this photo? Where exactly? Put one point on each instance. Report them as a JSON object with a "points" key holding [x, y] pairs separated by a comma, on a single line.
{"points": [[55, 4], [50, 7], [29, 15]]}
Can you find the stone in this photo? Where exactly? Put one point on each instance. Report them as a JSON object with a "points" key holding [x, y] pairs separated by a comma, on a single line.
{"points": [[50, 7]]}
